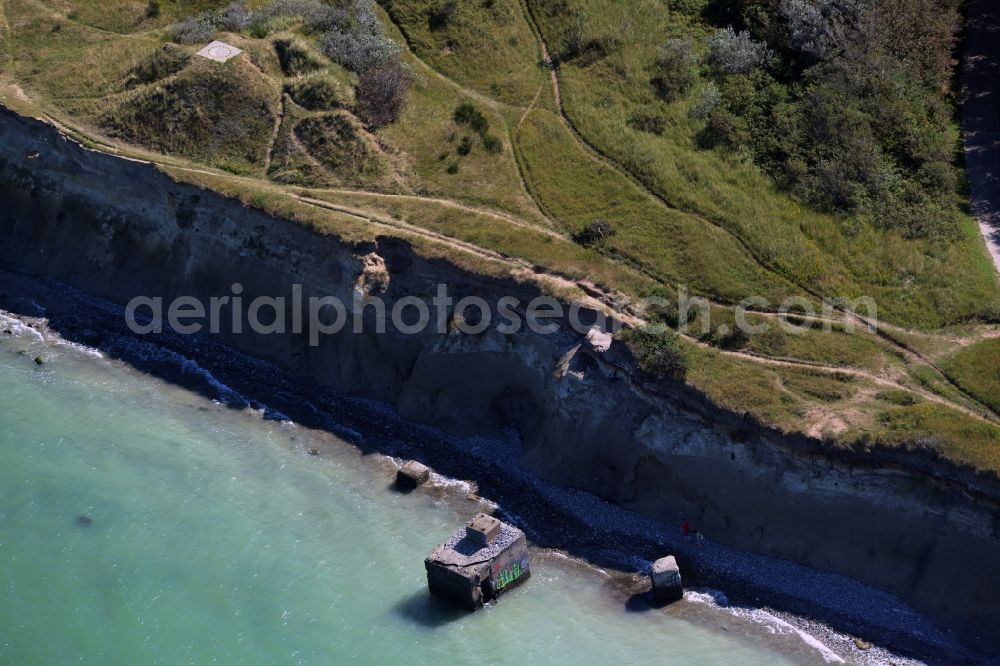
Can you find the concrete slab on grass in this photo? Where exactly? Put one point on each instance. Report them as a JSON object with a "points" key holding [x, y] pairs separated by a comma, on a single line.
{"points": [[219, 51]]}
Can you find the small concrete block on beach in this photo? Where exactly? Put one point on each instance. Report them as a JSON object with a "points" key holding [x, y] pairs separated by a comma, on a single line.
{"points": [[666, 576], [412, 475]]}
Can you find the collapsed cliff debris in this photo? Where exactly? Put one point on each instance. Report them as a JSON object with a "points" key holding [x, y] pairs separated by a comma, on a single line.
{"points": [[481, 561]]}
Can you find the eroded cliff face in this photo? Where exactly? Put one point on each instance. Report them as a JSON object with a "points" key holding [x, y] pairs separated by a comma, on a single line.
{"points": [[118, 228]]}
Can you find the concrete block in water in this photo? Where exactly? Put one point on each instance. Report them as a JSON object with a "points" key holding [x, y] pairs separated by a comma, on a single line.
{"points": [[470, 574], [666, 577], [412, 474]]}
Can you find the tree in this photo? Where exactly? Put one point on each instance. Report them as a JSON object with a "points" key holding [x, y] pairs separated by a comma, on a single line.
{"points": [[381, 92], [674, 71], [658, 353], [595, 233], [737, 53], [440, 16]]}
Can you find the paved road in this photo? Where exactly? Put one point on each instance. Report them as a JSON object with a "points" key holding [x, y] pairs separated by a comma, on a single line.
{"points": [[981, 117]]}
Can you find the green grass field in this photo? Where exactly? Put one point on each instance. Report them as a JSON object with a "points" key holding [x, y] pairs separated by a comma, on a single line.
{"points": [[977, 369]]}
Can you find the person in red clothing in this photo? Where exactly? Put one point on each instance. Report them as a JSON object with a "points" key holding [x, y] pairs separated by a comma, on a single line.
{"points": [[685, 528]]}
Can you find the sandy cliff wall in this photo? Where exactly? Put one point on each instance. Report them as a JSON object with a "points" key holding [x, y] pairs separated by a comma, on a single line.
{"points": [[118, 228]]}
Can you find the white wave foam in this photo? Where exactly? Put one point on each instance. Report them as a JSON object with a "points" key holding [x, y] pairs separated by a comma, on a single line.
{"points": [[76, 346], [713, 597], [441, 481], [18, 327], [780, 627]]}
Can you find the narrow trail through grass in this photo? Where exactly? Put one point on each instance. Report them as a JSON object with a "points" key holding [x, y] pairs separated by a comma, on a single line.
{"points": [[450, 203], [475, 94], [987, 416], [278, 120]]}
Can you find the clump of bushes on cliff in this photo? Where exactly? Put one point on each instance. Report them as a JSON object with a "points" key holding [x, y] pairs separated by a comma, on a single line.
{"points": [[318, 92], [296, 58], [468, 115], [658, 353], [164, 62], [348, 33], [381, 92], [845, 103]]}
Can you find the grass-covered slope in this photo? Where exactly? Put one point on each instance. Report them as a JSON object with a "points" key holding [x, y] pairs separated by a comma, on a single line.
{"points": [[596, 148], [608, 89], [977, 369]]}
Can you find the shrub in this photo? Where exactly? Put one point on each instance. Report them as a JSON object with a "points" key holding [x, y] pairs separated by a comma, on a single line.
{"points": [[439, 17], [899, 397], [708, 101], [659, 354], [737, 338], [194, 30], [737, 53], [294, 58], [358, 51], [318, 16], [856, 119], [234, 17], [492, 144], [316, 93], [165, 62], [595, 233], [381, 92], [153, 9], [643, 122], [723, 129], [464, 146], [467, 114], [811, 24], [452, 168], [673, 72]]}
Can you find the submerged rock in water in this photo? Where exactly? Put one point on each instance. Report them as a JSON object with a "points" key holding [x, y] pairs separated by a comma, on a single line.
{"points": [[39, 360], [83, 520]]}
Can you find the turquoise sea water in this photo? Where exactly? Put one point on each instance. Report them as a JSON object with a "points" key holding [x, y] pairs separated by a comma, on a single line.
{"points": [[214, 537]]}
